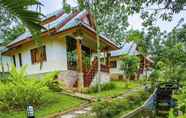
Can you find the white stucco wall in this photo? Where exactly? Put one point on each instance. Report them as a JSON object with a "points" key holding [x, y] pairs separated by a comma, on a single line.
{"points": [[105, 78], [55, 53], [5, 63]]}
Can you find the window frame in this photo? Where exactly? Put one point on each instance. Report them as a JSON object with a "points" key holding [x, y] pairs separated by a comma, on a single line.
{"points": [[34, 53], [113, 64]]}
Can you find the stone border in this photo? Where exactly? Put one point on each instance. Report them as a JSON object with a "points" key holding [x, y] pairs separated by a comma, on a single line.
{"points": [[81, 96], [78, 107], [131, 114]]}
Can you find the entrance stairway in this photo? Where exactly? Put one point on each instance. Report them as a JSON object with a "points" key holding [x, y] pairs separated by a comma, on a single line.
{"points": [[89, 75]]}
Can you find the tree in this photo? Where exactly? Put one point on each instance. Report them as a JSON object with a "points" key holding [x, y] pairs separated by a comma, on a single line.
{"points": [[110, 17], [136, 37], [12, 33], [15, 11], [130, 66], [151, 10], [170, 51]]}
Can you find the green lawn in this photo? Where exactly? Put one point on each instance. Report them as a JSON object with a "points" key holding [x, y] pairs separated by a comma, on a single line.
{"points": [[120, 88], [65, 103], [183, 116]]}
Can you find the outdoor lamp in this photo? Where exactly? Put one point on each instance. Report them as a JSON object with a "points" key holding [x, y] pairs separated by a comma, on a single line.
{"points": [[30, 111]]}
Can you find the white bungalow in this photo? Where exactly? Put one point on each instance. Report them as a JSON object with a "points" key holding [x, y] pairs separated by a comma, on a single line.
{"points": [[69, 46], [117, 57]]}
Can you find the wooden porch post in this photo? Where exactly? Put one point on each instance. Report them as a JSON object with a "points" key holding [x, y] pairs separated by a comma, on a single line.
{"points": [[79, 62], [108, 59], [105, 56]]}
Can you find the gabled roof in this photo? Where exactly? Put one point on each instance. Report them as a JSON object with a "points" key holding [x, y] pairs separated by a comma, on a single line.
{"points": [[60, 22], [54, 23], [130, 48]]}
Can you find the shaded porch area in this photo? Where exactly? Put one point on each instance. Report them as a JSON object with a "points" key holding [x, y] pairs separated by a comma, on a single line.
{"points": [[81, 47], [82, 58]]}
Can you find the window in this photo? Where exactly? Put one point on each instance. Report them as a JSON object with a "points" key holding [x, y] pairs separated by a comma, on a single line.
{"points": [[20, 59], [14, 60], [71, 53], [113, 64], [38, 55]]}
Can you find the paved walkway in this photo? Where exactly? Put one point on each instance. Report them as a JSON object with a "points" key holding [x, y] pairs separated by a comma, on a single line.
{"points": [[77, 113]]}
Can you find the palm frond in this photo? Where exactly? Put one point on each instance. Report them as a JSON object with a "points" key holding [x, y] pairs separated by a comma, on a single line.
{"points": [[19, 9]]}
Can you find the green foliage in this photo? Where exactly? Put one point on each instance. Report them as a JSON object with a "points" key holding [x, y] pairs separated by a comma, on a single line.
{"points": [[181, 100], [109, 109], [171, 114], [110, 17], [170, 56], [104, 87], [20, 90], [52, 82], [61, 103], [12, 13], [139, 39], [135, 36], [29, 18], [130, 65], [13, 33], [119, 88], [154, 77]]}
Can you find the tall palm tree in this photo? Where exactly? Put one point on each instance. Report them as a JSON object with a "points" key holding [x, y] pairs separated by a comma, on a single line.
{"points": [[19, 10]]}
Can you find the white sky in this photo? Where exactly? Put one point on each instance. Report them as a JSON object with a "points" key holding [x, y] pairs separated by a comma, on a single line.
{"points": [[134, 21]]}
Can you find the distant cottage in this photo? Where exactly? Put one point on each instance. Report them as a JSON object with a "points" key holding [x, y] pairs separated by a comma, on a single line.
{"points": [[117, 57]]}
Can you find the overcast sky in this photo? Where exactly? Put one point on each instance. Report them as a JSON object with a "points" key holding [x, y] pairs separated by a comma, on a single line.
{"points": [[134, 21]]}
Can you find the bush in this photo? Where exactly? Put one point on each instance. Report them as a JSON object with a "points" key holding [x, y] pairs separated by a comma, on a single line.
{"points": [[52, 82], [109, 109], [104, 87], [19, 91]]}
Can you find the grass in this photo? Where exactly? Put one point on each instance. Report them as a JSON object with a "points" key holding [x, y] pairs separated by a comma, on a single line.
{"points": [[183, 116], [133, 101], [120, 88], [64, 103]]}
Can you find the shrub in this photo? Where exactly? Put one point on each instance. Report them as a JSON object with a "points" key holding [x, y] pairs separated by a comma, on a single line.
{"points": [[109, 109], [104, 87], [20, 91], [52, 82]]}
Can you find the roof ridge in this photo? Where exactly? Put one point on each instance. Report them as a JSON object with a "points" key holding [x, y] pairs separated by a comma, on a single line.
{"points": [[54, 13]]}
